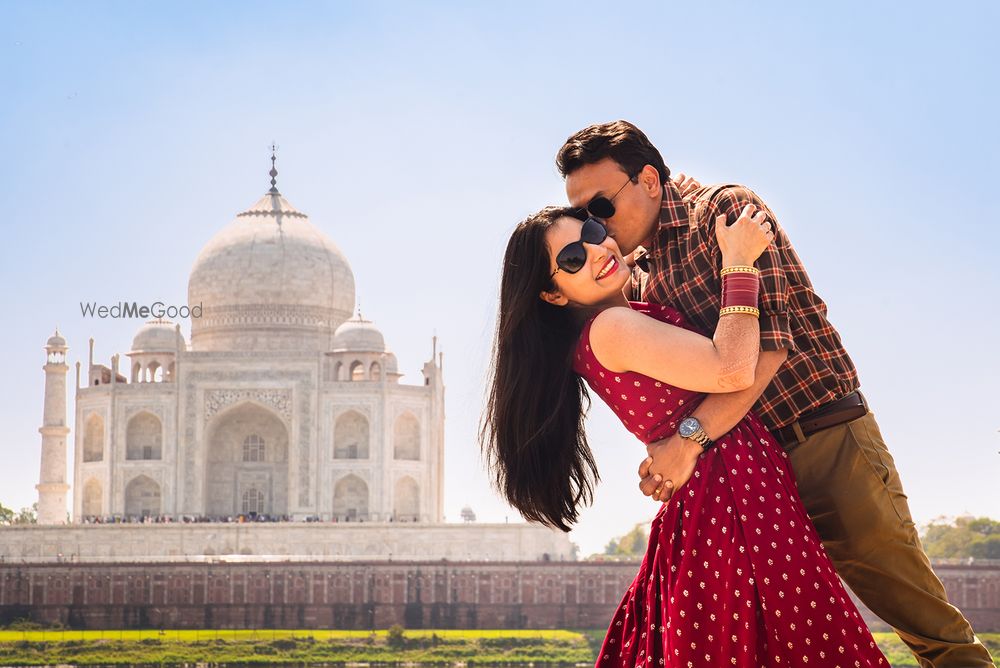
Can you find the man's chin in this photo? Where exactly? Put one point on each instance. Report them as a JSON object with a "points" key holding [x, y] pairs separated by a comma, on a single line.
{"points": [[627, 250]]}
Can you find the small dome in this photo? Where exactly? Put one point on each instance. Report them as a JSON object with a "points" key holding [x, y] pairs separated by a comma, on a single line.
{"points": [[56, 340], [157, 336], [358, 335]]}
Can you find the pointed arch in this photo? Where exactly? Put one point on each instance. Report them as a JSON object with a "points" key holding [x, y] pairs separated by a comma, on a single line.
{"points": [[93, 438], [350, 498], [142, 497], [351, 436], [406, 437], [406, 500], [144, 437], [93, 499], [247, 446]]}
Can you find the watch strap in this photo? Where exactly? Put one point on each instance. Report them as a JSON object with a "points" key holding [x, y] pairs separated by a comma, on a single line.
{"points": [[702, 439]]}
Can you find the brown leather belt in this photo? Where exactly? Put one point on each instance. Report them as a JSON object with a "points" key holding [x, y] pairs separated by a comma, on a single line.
{"points": [[845, 409]]}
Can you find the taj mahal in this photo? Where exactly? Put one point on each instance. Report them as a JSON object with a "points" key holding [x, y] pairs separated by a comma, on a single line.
{"points": [[285, 404]]}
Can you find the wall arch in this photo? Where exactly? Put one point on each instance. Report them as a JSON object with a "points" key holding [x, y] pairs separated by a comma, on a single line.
{"points": [[406, 437], [93, 438], [142, 497], [144, 437], [350, 498], [406, 500], [351, 434], [93, 499]]}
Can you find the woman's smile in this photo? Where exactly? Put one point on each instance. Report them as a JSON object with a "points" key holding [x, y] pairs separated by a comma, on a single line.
{"points": [[609, 267]]}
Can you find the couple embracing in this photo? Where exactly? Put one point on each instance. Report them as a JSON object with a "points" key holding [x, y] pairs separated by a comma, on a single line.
{"points": [[685, 308]]}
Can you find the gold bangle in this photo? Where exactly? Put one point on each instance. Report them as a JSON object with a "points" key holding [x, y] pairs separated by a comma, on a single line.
{"points": [[740, 269], [740, 309]]}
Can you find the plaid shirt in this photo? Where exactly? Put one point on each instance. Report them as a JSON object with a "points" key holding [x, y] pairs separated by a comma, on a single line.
{"points": [[684, 264]]}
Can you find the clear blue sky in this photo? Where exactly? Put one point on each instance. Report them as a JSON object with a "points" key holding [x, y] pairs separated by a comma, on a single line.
{"points": [[417, 134]]}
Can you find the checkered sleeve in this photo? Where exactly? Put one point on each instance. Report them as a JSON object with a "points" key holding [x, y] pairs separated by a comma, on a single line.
{"points": [[775, 326]]}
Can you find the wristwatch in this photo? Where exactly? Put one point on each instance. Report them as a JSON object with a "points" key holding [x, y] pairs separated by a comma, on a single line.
{"points": [[691, 428]]}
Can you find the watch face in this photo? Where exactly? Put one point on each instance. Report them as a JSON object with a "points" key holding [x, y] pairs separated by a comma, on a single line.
{"points": [[688, 427]]}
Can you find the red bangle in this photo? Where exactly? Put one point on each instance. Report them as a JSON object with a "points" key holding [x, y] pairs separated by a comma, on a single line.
{"points": [[740, 289]]}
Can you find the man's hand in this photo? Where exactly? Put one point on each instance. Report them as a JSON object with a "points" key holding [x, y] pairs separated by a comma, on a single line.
{"points": [[685, 184], [718, 413], [668, 467]]}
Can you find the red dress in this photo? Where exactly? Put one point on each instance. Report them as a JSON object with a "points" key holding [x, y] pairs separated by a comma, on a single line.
{"points": [[734, 573]]}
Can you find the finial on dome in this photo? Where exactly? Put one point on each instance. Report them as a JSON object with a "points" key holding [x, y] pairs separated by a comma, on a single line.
{"points": [[273, 172], [358, 316]]}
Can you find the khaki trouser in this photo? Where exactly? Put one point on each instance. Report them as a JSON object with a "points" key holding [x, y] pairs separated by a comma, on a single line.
{"points": [[851, 489]]}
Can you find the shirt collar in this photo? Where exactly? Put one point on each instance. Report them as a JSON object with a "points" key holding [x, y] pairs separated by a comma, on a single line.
{"points": [[673, 209]]}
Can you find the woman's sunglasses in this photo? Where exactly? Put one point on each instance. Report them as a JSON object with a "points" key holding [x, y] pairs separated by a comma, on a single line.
{"points": [[573, 255]]}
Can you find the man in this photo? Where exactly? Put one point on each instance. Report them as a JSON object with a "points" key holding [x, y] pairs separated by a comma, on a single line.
{"points": [[806, 388]]}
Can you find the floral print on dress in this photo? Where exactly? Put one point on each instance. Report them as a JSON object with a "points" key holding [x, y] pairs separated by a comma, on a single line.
{"points": [[734, 573]]}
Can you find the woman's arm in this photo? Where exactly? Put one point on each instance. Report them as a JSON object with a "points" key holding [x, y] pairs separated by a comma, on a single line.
{"points": [[625, 340]]}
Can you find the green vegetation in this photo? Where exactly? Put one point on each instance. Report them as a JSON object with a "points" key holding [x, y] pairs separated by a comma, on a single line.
{"points": [[36, 647], [630, 546], [23, 516], [396, 645], [900, 657], [963, 537]]}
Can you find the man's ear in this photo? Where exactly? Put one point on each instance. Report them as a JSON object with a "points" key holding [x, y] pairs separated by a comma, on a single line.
{"points": [[555, 298], [649, 179]]}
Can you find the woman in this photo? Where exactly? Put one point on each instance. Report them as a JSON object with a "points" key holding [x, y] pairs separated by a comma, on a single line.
{"points": [[734, 572]]}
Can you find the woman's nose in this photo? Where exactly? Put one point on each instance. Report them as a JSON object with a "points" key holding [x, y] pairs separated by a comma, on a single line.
{"points": [[596, 252]]}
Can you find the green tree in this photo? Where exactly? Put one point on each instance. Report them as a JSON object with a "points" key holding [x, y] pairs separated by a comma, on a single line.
{"points": [[23, 516], [963, 537], [27, 515], [986, 548], [632, 544]]}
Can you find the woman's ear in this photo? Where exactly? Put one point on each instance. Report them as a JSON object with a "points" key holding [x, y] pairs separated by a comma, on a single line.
{"points": [[555, 298]]}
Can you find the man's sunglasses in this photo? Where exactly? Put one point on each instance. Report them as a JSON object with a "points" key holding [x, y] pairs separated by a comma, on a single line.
{"points": [[603, 207], [573, 255]]}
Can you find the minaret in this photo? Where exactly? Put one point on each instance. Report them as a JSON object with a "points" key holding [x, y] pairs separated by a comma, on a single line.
{"points": [[52, 485]]}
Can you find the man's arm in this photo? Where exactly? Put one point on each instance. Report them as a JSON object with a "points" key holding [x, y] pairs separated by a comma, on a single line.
{"points": [[676, 457]]}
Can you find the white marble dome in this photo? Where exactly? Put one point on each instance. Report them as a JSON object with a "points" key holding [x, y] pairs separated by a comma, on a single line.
{"points": [[157, 336], [270, 280], [359, 335]]}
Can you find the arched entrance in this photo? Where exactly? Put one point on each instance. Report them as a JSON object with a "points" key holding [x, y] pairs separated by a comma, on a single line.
{"points": [[246, 467]]}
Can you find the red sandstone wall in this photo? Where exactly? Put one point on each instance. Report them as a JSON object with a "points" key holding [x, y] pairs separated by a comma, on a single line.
{"points": [[362, 595]]}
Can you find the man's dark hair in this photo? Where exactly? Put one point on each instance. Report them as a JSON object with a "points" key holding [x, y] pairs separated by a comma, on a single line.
{"points": [[619, 140]]}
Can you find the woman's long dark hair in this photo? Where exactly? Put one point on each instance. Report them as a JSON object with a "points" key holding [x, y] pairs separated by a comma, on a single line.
{"points": [[532, 430]]}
